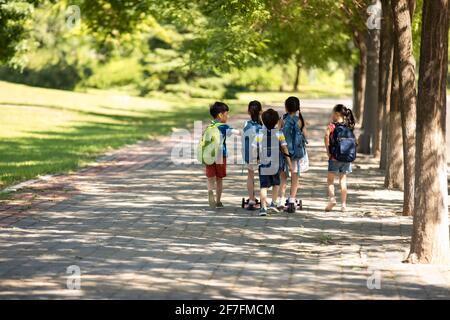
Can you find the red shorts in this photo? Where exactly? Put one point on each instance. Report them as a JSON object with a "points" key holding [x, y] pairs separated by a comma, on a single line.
{"points": [[217, 170]]}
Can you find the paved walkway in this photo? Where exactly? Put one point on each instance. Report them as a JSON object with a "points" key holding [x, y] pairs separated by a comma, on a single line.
{"points": [[138, 226]]}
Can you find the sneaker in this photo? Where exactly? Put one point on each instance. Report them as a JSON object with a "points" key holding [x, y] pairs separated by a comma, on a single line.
{"points": [[330, 204], [281, 204], [211, 200], [219, 205], [291, 207], [262, 212], [251, 205], [344, 208], [273, 208]]}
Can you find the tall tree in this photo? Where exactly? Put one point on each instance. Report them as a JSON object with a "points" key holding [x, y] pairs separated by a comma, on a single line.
{"points": [[394, 168], [360, 72], [371, 94], [353, 15], [402, 17], [430, 237], [385, 84]]}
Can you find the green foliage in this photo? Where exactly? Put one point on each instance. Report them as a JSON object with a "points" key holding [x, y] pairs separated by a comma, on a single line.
{"points": [[14, 25], [257, 79], [417, 28], [189, 49], [115, 73], [298, 33], [59, 75], [58, 56]]}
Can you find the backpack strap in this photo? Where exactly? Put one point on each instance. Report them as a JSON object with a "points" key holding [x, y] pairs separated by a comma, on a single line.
{"points": [[215, 124]]}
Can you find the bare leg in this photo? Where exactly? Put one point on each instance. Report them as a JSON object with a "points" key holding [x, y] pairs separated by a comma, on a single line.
{"points": [[275, 194], [211, 184], [263, 194], [219, 188], [283, 185], [343, 184], [211, 187], [330, 184], [251, 185], [330, 187], [294, 185]]}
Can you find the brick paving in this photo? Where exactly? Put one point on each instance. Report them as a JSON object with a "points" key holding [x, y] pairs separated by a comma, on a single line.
{"points": [[138, 227]]}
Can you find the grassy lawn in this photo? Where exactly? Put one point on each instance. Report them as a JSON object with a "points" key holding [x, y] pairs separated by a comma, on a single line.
{"points": [[45, 131]]}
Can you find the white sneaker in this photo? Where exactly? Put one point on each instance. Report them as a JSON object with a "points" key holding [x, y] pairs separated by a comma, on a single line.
{"points": [[273, 208], [281, 203]]}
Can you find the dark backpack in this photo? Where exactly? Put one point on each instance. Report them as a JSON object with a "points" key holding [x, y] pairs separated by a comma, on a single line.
{"points": [[343, 143], [249, 153], [270, 154], [296, 141]]}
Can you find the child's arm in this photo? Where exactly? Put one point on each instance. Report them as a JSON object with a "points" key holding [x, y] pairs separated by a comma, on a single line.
{"points": [[230, 131], [305, 131], [285, 151], [327, 141]]}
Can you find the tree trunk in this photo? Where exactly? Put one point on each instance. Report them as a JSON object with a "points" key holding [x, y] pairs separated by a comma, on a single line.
{"points": [[371, 94], [297, 77], [359, 78], [385, 84], [394, 168], [284, 70], [430, 237], [407, 75]]}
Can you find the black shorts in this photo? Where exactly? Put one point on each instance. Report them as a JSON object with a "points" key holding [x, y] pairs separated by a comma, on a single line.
{"points": [[269, 181]]}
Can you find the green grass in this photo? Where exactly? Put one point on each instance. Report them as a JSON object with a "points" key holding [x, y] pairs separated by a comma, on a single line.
{"points": [[325, 239], [44, 131]]}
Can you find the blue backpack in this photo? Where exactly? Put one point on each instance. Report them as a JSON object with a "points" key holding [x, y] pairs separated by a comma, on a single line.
{"points": [[343, 143], [296, 141], [251, 129]]}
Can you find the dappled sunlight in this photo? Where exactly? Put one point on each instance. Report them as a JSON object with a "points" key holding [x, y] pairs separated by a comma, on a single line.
{"points": [[139, 227]]}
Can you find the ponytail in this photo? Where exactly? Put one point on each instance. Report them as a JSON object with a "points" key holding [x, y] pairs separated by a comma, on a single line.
{"points": [[292, 105], [347, 114], [254, 109], [301, 118], [350, 120]]}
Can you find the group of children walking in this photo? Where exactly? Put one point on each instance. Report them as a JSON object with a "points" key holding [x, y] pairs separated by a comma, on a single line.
{"points": [[274, 148]]}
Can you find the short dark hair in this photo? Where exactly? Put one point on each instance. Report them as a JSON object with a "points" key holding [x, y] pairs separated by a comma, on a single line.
{"points": [[270, 118], [218, 108]]}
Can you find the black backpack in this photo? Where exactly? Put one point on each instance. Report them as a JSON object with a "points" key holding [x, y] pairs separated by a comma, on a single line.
{"points": [[343, 143]]}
